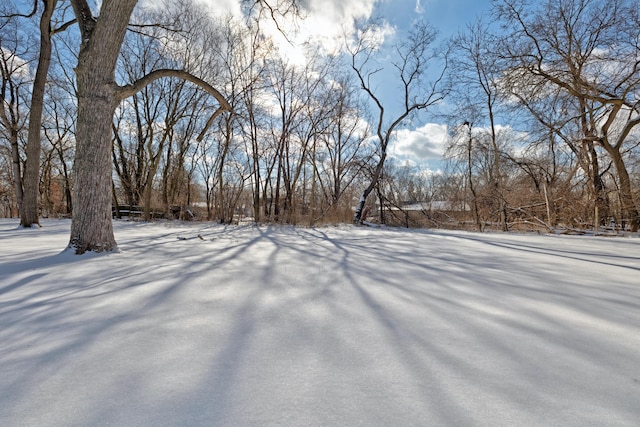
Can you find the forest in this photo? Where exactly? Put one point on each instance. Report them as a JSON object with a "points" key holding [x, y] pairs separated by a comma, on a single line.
{"points": [[164, 110]]}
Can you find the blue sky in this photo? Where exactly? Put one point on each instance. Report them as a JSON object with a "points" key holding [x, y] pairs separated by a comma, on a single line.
{"points": [[421, 142], [424, 141], [445, 15]]}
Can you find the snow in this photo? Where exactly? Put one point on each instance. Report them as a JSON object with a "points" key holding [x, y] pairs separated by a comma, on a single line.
{"points": [[341, 326]]}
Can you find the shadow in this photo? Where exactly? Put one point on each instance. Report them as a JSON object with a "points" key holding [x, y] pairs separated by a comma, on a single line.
{"points": [[19, 283], [202, 324], [591, 257]]}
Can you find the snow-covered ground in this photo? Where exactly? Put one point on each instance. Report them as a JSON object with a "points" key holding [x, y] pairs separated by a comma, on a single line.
{"points": [[201, 324]]}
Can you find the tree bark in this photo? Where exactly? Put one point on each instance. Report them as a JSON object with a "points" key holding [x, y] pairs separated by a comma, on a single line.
{"points": [[16, 166], [98, 97], [91, 225], [358, 216], [628, 207], [29, 213]]}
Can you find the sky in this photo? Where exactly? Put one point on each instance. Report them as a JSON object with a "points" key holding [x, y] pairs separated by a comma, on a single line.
{"points": [[423, 142], [199, 324]]}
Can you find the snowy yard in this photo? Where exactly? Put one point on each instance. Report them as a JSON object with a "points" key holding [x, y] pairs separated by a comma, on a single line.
{"points": [[201, 324]]}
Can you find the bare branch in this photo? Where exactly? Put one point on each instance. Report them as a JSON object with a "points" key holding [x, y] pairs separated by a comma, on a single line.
{"points": [[22, 15], [138, 85], [64, 26]]}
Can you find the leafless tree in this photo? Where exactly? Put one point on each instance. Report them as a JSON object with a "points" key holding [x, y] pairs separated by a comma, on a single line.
{"points": [[412, 58], [29, 214], [15, 58], [475, 77], [253, 83], [462, 150], [98, 97], [338, 156], [587, 49], [147, 122], [58, 128]]}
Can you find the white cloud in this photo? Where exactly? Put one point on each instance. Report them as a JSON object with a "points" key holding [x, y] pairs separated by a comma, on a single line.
{"points": [[222, 8], [323, 24], [376, 35], [323, 27], [17, 68], [328, 20], [425, 143]]}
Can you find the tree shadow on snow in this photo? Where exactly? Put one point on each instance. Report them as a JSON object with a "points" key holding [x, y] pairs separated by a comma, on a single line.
{"points": [[268, 325]]}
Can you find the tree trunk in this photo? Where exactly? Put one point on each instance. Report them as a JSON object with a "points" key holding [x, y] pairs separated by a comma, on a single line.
{"points": [[16, 165], [91, 225], [476, 213], [223, 202], [550, 206], [629, 209], [496, 174], [358, 217], [67, 180], [29, 213], [148, 190], [599, 188]]}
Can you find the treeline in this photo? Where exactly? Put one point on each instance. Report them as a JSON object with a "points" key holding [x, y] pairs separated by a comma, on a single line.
{"points": [[303, 142]]}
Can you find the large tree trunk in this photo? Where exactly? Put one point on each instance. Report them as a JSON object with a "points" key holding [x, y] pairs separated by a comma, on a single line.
{"points": [[91, 226], [98, 97]]}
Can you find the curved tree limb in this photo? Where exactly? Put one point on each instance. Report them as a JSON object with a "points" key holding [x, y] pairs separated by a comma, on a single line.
{"points": [[202, 133], [133, 88]]}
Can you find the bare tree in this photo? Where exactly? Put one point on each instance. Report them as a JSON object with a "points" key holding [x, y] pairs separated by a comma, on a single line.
{"points": [[551, 166], [231, 57], [588, 49], [98, 97], [29, 214], [253, 83], [475, 78], [147, 122], [58, 131], [304, 106], [343, 143], [461, 152], [412, 59], [14, 97]]}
